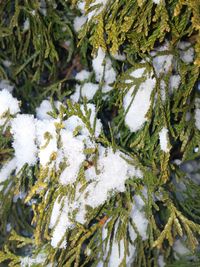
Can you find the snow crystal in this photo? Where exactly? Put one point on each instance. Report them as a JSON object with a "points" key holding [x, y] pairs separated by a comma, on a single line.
{"points": [[79, 22], [174, 82], [88, 90], [26, 24], [156, 1], [137, 73], [119, 56], [7, 64], [161, 262], [8, 227], [108, 178], [81, 6], [140, 221], [82, 75], [180, 248], [7, 103], [33, 12], [46, 107], [106, 88], [138, 107], [117, 250], [106, 181], [186, 52], [97, 64], [117, 254], [60, 222], [96, 11], [43, 109], [33, 261], [73, 152], [43, 7], [6, 170], [76, 95], [24, 134], [197, 118], [20, 195], [110, 74], [162, 64], [163, 136], [103, 67], [162, 90], [139, 202]]}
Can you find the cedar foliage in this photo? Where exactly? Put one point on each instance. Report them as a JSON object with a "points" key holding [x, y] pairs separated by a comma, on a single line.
{"points": [[43, 59]]}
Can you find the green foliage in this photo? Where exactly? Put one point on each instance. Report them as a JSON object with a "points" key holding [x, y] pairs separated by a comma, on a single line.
{"points": [[44, 58]]}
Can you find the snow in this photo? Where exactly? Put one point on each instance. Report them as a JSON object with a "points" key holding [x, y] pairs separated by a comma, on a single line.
{"points": [[5, 84], [46, 107], [7, 103], [97, 64], [43, 109], [107, 181], [79, 22], [163, 136], [6, 170], [156, 1], [108, 178], [87, 90], [60, 222], [76, 95], [197, 115], [43, 7], [180, 248], [106, 88], [100, 186], [140, 222], [46, 140], [7, 64], [139, 106], [117, 250], [162, 64], [24, 134], [73, 152], [137, 73], [117, 254], [118, 56], [186, 52], [26, 24], [74, 121], [174, 82], [83, 75], [98, 10], [161, 262], [93, 11], [34, 260], [36, 140], [103, 67], [81, 6], [104, 72]]}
